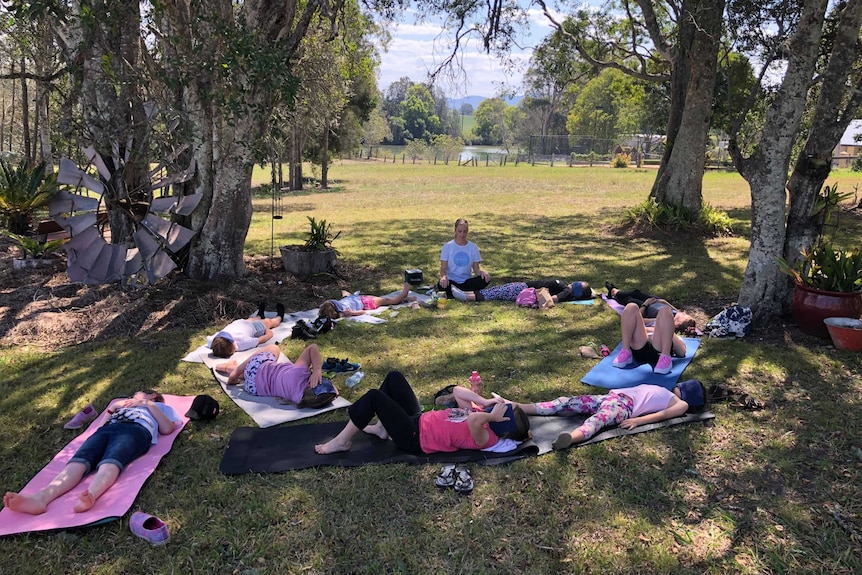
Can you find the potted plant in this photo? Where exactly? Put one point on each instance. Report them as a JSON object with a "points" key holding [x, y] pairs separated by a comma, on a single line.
{"points": [[828, 283], [316, 255], [36, 251], [23, 190]]}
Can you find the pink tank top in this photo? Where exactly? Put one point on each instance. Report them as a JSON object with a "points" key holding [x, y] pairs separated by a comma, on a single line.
{"points": [[437, 432]]}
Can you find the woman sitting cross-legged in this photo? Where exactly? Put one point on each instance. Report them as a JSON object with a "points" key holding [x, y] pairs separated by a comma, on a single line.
{"points": [[628, 408], [400, 418]]}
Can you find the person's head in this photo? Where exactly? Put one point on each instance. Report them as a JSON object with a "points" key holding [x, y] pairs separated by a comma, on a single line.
{"points": [[149, 394], [516, 427], [328, 309], [581, 290], [682, 321], [223, 345], [693, 393], [462, 228]]}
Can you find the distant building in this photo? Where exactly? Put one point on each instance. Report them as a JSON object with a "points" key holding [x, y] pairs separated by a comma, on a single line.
{"points": [[848, 148]]}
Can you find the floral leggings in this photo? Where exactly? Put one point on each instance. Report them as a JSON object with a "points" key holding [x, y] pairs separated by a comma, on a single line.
{"points": [[610, 409], [505, 292]]}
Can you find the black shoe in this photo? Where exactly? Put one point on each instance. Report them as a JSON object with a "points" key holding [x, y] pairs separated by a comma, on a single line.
{"points": [[279, 311], [261, 310], [610, 287]]}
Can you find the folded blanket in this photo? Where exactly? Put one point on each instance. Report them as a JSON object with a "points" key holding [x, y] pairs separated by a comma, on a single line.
{"points": [[113, 504], [265, 411], [284, 330], [280, 449]]}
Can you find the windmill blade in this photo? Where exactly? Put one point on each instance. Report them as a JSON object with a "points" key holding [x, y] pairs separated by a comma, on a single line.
{"points": [[163, 204], [65, 202], [77, 224], [147, 245], [174, 235], [133, 264], [82, 252], [95, 159], [150, 109], [169, 160], [187, 204], [72, 175], [176, 178], [159, 266], [108, 265]]}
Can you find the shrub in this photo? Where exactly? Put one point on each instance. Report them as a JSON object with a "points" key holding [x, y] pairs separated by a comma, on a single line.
{"points": [[621, 160], [856, 164], [22, 192], [663, 216]]}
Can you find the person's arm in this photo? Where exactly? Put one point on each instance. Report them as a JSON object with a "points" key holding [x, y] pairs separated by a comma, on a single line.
{"points": [[444, 268], [676, 408], [465, 397], [477, 421], [267, 335], [166, 424], [310, 357], [352, 312], [238, 372]]}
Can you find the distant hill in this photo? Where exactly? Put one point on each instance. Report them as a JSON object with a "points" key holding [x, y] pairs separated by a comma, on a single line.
{"points": [[475, 100]]}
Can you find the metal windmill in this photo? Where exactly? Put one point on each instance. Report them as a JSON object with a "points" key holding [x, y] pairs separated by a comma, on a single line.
{"points": [[79, 210]]}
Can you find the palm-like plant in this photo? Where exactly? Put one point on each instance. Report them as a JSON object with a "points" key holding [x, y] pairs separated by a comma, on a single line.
{"points": [[22, 191]]}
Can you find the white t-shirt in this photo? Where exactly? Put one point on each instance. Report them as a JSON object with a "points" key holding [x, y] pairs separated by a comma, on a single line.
{"points": [[142, 416], [242, 332], [459, 260]]}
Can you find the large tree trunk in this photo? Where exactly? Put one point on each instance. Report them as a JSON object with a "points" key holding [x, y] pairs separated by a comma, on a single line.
{"points": [[680, 176], [764, 287]]}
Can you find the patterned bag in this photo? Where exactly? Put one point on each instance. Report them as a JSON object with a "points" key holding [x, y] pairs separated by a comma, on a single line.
{"points": [[733, 321]]}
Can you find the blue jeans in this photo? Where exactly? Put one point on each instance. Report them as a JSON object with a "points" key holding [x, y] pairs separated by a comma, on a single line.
{"points": [[116, 443]]}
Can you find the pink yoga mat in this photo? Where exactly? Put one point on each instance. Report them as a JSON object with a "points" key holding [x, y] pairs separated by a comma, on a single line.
{"points": [[115, 502]]}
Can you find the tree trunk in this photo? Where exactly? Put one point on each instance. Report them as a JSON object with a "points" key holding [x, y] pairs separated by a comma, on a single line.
{"points": [[680, 177], [324, 159], [25, 116], [765, 289]]}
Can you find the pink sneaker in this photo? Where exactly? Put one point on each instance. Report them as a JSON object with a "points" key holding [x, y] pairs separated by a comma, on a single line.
{"points": [[83, 417], [623, 358], [149, 528], [665, 363]]}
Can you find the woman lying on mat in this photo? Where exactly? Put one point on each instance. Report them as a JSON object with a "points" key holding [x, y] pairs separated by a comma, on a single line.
{"points": [[144, 416], [560, 291], [650, 305], [400, 418], [356, 304], [627, 407], [654, 345], [263, 376]]}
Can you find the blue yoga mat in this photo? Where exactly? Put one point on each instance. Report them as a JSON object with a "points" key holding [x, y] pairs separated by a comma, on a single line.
{"points": [[606, 375]]}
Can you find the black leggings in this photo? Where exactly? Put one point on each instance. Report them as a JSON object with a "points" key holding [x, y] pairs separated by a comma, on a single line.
{"points": [[473, 284], [632, 296], [397, 408]]}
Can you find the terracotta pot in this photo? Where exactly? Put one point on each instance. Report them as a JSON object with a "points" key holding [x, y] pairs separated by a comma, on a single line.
{"points": [[811, 306], [300, 262], [846, 333]]}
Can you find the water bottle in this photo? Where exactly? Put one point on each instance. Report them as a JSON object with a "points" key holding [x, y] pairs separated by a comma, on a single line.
{"points": [[355, 378], [476, 383], [605, 350]]}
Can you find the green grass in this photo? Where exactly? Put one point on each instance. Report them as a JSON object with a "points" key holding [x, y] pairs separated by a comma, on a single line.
{"points": [[757, 492]]}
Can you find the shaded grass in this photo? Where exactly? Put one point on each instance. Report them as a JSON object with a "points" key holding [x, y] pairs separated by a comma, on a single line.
{"points": [[756, 492]]}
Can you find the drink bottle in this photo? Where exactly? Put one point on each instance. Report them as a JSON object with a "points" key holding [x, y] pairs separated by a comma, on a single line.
{"points": [[605, 350], [476, 382], [354, 379]]}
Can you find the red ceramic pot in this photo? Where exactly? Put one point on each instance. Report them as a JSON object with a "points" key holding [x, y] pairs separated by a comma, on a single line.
{"points": [[811, 306]]}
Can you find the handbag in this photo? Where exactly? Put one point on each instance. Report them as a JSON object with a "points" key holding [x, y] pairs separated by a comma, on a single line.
{"points": [[544, 298]]}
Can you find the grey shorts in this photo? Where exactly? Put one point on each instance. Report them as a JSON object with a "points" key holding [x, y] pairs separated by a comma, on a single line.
{"points": [[259, 328]]}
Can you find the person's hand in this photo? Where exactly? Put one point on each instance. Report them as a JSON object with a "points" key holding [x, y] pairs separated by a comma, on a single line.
{"points": [[315, 378], [485, 275], [444, 282], [227, 366], [499, 412], [497, 398], [629, 423]]}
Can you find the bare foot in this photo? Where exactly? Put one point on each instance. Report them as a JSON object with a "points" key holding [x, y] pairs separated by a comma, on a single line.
{"points": [[411, 298], [31, 504], [332, 446], [377, 429], [85, 502]]}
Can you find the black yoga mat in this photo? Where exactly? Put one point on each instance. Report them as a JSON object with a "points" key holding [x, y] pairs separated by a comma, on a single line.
{"points": [[279, 449]]}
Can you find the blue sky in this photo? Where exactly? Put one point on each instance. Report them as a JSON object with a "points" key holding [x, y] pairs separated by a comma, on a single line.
{"points": [[416, 49]]}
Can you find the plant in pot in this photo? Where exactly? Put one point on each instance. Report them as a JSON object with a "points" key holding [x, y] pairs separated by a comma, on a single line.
{"points": [[316, 255], [36, 251], [23, 191]]}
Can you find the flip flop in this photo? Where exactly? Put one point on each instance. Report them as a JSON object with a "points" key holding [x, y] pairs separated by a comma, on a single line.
{"points": [[562, 441], [746, 402], [718, 392]]}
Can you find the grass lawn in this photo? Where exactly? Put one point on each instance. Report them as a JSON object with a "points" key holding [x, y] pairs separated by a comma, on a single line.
{"points": [[772, 491]]}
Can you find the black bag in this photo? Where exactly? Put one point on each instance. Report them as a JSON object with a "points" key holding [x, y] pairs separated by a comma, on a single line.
{"points": [[445, 397], [320, 396], [302, 330], [322, 325]]}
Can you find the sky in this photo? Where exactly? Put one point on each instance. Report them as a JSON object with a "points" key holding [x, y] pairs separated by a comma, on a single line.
{"points": [[416, 49]]}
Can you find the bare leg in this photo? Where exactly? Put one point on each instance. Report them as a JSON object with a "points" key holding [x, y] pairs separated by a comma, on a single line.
{"points": [[663, 338], [340, 442], [633, 330], [37, 503], [395, 299], [377, 429], [104, 478], [272, 322]]}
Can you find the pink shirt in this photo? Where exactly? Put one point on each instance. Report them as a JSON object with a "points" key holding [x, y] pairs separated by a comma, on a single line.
{"points": [[284, 380], [647, 398], [447, 430]]}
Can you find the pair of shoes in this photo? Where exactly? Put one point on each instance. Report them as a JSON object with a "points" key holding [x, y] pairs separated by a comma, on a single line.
{"points": [[279, 311], [463, 480], [149, 528], [664, 365], [459, 294], [610, 287], [302, 330], [746, 402], [563, 441], [339, 365], [261, 310], [624, 358], [82, 418]]}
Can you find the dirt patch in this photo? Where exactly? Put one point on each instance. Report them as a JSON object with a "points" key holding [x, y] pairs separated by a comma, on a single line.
{"points": [[41, 307]]}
